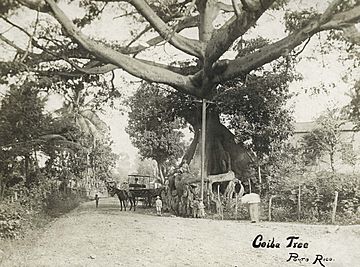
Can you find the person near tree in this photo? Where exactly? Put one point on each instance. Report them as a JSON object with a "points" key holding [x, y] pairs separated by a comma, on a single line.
{"points": [[158, 204]]}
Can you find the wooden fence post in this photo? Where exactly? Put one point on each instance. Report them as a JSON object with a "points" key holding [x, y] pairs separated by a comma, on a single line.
{"points": [[270, 203], [236, 206], [334, 207], [220, 204], [299, 203], [260, 180], [208, 194]]}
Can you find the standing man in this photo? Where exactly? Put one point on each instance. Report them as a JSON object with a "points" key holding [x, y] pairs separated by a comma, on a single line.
{"points": [[96, 200]]}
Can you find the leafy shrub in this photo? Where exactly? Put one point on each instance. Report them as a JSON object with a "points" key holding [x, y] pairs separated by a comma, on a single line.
{"points": [[11, 217], [280, 214], [348, 218], [33, 209], [317, 198], [58, 203]]}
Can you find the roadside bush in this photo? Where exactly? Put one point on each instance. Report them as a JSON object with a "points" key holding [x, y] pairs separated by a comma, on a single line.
{"points": [[25, 213], [11, 218], [282, 213], [317, 198], [58, 203], [348, 218], [34, 208]]}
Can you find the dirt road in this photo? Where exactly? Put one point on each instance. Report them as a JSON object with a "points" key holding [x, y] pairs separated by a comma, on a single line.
{"points": [[108, 237]]}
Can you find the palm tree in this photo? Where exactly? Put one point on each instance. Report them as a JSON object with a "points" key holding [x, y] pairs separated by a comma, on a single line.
{"points": [[84, 115]]}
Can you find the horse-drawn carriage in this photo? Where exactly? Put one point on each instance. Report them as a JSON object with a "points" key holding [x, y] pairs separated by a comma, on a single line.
{"points": [[136, 188], [142, 188], [136, 181]]}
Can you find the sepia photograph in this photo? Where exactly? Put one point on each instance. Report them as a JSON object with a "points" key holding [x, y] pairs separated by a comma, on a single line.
{"points": [[174, 133]]}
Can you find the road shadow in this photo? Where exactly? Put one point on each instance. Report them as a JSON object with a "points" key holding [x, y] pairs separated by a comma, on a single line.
{"points": [[106, 206]]}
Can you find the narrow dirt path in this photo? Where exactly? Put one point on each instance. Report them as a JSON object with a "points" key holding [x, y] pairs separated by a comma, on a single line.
{"points": [[108, 237]]}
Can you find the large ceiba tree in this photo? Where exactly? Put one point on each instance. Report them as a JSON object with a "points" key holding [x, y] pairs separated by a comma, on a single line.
{"points": [[199, 77]]}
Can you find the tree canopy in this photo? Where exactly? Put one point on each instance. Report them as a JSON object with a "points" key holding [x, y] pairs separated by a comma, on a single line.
{"points": [[327, 138], [213, 37], [86, 55]]}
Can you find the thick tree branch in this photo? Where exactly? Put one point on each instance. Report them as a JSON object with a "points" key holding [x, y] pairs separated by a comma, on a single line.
{"points": [[343, 19], [326, 16], [237, 8], [245, 64], [224, 37], [96, 68], [189, 46], [131, 65], [39, 5], [352, 34], [187, 23], [208, 12]]}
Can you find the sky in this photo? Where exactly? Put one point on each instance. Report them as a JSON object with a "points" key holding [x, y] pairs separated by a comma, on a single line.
{"points": [[325, 69]]}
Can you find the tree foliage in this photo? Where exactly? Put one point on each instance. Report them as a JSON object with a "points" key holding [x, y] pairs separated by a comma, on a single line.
{"points": [[325, 139], [102, 159], [59, 45], [23, 124], [354, 105], [152, 127], [82, 55], [256, 113], [37, 148]]}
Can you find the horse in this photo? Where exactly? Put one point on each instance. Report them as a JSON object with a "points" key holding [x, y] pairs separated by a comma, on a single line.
{"points": [[123, 196]]}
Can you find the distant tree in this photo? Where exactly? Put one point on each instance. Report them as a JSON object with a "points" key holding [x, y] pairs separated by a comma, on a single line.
{"points": [[354, 106], [102, 159], [83, 100], [145, 166], [123, 166], [325, 138], [153, 129], [23, 124], [81, 108]]}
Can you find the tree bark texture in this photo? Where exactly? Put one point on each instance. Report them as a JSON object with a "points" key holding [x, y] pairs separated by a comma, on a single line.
{"points": [[223, 156]]}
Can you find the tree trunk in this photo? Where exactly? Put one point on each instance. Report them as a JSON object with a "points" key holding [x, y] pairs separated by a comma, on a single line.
{"points": [[189, 155], [27, 171], [332, 161], [222, 152], [161, 172], [222, 155], [2, 190]]}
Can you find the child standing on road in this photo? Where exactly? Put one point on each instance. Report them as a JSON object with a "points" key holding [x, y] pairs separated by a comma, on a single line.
{"points": [[158, 204], [96, 200]]}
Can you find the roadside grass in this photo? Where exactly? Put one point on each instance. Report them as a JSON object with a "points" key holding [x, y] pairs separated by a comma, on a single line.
{"points": [[34, 222]]}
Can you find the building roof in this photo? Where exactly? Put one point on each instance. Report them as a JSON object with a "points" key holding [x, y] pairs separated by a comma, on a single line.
{"points": [[306, 127]]}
